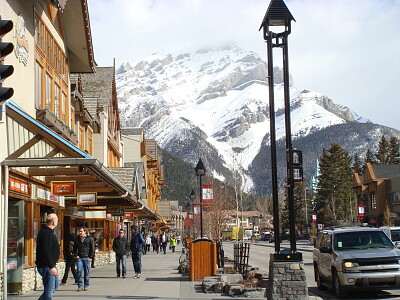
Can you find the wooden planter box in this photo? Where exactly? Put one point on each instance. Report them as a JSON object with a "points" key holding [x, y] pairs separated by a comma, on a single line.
{"points": [[44, 116]]}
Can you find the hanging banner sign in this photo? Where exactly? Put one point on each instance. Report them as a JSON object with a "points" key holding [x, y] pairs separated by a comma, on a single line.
{"points": [[19, 186], [196, 209], [361, 210], [314, 218], [207, 194], [86, 198], [187, 222], [63, 188]]}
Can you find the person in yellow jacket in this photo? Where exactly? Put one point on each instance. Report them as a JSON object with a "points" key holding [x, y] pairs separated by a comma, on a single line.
{"points": [[172, 243]]}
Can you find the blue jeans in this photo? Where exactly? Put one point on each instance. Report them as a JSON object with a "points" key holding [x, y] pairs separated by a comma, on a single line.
{"points": [[164, 247], [121, 258], [137, 261], [83, 264], [50, 283]]}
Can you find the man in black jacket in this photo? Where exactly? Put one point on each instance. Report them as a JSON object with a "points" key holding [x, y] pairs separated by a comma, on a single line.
{"points": [[47, 255], [84, 252], [121, 247], [69, 259]]}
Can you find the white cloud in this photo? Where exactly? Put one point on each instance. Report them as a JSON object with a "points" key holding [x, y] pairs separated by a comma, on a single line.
{"points": [[346, 49]]}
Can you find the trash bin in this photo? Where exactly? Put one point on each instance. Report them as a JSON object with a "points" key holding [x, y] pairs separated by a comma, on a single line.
{"points": [[202, 259]]}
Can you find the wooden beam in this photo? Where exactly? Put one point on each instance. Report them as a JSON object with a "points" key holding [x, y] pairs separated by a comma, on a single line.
{"points": [[37, 171], [53, 153], [97, 184], [33, 141], [91, 189], [78, 179]]}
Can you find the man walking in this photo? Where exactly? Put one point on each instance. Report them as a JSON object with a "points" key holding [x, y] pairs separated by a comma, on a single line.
{"points": [[120, 247], [84, 252], [47, 255], [164, 242], [137, 242]]}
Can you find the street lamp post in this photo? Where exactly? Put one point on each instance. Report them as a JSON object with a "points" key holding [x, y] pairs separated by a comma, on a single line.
{"points": [[200, 171], [279, 15]]}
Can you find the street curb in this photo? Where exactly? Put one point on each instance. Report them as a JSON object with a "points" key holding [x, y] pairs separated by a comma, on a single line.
{"points": [[284, 247]]}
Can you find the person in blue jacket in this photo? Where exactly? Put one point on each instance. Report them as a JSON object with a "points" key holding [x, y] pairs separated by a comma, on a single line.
{"points": [[136, 246]]}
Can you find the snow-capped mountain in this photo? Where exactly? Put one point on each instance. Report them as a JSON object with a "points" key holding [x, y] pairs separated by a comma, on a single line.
{"points": [[213, 104]]}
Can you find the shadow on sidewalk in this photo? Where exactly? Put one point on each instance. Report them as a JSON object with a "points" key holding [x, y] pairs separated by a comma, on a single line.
{"points": [[163, 279]]}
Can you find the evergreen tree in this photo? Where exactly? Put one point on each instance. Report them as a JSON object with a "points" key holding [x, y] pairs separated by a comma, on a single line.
{"points": [[382, 154], [334, 198], [300, 206], [394, 151], [369, 158], [357, 165]]}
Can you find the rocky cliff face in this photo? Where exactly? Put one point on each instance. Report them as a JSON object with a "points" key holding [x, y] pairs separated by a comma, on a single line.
{"points": [[213, 104]]}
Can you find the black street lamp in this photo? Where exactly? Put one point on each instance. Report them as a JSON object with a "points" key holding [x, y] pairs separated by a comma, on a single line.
{"points": [[200, 171], [278, 15]]}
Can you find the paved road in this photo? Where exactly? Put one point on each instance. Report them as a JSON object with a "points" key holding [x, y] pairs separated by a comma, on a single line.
{"points": [[259, 257]]}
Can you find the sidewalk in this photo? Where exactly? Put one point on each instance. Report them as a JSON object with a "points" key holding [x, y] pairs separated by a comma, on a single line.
{"points": [[160, 280]]}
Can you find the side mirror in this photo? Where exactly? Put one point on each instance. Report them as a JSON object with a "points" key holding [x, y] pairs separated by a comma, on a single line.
{"points": [[397, 245], [325, 249]]}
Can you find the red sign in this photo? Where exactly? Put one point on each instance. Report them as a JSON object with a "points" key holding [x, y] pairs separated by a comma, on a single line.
{"points": [[187, 222], [63, 188], [314, 218], [128, 215], [19, 186], [361, 211]]}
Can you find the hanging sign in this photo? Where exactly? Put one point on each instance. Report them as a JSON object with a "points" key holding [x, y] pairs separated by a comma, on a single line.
{"points": [[113, 209], [314, 218], [128, 215], [63, 188], [196, 209], [86, 198], [207, 194], [187, 222], [361, 211]]}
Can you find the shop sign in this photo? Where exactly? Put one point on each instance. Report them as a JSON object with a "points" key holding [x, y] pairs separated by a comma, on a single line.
{"points": [[21, 41], [113, 209], [63, 188], [109, 216], [87, 198], [128, 215], [46, 195], [19, 186], [12, 264]]}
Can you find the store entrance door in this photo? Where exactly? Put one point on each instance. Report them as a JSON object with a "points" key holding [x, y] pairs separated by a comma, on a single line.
{"points": [[15, 246]]}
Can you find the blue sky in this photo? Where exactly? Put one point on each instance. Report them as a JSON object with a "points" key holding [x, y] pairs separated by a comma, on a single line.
{"points": [[348, 50]]}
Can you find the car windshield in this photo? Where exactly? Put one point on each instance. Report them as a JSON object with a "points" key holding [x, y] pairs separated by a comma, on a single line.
{"points": [[395, 234], [361, 240]]}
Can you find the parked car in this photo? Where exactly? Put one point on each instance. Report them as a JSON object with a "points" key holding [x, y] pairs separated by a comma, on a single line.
{"points": [[355, 258], [393, 232]]}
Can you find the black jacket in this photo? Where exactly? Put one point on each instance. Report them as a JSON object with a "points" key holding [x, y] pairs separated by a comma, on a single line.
{"points": [[84, 248], [47, 248], [120, 245]]}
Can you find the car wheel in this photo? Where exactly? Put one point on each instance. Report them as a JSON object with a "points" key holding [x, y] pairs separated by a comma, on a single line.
{"points": [[340, 291], [318, 279]]}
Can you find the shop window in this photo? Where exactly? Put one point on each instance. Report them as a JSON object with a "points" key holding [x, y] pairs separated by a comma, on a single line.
{"points": [[38, 84], [373, 200], [53, 94]]}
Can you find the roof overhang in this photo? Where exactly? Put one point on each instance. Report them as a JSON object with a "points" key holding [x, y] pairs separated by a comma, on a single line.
{"points": [[78, 36]]}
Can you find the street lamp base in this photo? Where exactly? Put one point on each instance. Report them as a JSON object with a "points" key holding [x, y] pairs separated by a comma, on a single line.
{"points": [[287, 255]]}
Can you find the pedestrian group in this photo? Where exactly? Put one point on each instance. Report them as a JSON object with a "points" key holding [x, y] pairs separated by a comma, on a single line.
{"points": [[79, 254]]}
